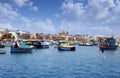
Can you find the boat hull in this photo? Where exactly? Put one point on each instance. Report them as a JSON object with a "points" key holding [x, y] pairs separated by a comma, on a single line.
{"points": [[45, 46], [85, 45], [66, 48], [1, 46], [37, 46], [106, 47], [20, 50], [2, 52]]}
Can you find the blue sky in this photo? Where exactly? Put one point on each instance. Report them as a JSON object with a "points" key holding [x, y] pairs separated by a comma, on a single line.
{"points": [[94, 17]]}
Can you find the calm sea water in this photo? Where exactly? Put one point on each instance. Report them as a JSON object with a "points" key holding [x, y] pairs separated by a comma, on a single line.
{"points": [[85, 62]]}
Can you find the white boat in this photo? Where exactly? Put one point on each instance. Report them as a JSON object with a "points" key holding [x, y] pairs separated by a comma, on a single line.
{"points": [[2, 51], [45, 44]]}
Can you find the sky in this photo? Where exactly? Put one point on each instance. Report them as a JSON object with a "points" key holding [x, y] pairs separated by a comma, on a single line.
{"points": [[93, 17]]}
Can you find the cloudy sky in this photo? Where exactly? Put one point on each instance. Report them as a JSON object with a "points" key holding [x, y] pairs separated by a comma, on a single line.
{"points": [[95, 17]]}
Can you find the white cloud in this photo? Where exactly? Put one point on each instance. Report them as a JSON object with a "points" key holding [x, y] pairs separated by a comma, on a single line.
{"points": [[100, 30], [98, 16], [57, 15], [28, 3], [71, 10], [11, 19], [7, 13], [77, 28], [20, 3], [96, 9], [6, 25], [34, 8], [40, 26]]}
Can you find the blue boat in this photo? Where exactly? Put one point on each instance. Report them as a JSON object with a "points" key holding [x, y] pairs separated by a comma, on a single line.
{"points": [[108, 44], [21, 48], [35, 44]]}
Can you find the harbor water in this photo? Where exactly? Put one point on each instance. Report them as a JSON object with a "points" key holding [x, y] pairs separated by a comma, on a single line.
{"points": [[85, 62]]}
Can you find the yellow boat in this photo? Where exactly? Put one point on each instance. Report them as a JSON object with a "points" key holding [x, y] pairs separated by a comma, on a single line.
{"points": [[66, 47]]}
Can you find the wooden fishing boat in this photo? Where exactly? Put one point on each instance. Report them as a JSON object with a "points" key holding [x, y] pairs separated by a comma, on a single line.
{"points": [[108, 44], [21, 48], [72, 43], [107, 47], [64, 46]]}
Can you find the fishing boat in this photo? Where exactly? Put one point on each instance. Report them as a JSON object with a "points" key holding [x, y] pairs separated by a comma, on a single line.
{"points": [[108, 44], [119, 45], [64, 46], [72, 43], [9, 43], [35, 44], [1, 45], [81, 44], [44, 44], [85, 44], [2, 50], [94, 42], [21, 47], [88, 44]]}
